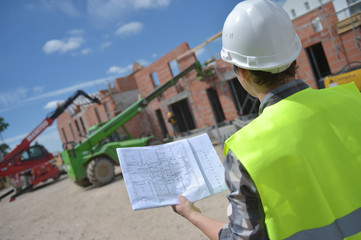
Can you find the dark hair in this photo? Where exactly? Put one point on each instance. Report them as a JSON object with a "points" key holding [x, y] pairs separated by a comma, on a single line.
{"points": [[268, 79]]}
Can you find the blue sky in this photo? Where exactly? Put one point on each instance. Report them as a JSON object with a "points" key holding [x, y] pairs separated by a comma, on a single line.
{"points": [[51, 48]]}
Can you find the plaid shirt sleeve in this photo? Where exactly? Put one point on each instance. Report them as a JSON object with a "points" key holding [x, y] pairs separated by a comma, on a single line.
{"points": [[245, 211]]}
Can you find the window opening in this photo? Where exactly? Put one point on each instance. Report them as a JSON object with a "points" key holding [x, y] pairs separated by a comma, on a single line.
{"points": [[245, 103], [183, 114], [77, 127], [319, 64], [215, 104], [72, 132], [293, 13], [25, 156], [106, 110], [83, 126], [97, 115], [161, 121], [155, 79], [173, 65], [317, 24], [35, 152], [65, 138], [307, 6]]}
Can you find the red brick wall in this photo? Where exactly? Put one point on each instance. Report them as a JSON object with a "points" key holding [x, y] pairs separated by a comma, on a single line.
{"points": [[350, 45], [147, 123], [224, 92], [198, 99], [62, 121], [339, 49], [140, 125], [161, 67], [125, 84], [137, 126]]}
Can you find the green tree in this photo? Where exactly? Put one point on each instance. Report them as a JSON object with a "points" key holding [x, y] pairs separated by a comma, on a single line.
{"points": [[3, 146], [4, 149], [3, 124], [36, 143]]}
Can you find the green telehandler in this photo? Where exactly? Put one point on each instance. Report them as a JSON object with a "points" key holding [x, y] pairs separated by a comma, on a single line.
{"points": [[92, 161]]}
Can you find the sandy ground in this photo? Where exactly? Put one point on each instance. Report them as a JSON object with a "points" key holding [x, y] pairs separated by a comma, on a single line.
{"points": [[62, 210]]}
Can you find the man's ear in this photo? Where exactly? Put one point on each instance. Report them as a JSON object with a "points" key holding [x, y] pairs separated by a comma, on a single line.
{"points": [[243, 73]]}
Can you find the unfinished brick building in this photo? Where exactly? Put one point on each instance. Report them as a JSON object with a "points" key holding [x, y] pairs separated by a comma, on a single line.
{"points": [[328, 45], [195, 103], [74, 123], [329, 41]]}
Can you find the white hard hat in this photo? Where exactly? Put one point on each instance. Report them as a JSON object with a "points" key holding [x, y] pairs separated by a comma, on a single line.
{"points": [[259, 35]]}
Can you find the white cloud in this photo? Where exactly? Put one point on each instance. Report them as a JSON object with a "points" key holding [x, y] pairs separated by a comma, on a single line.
{"points": [[150, 3], [63, 46], [13, 98], [108, 10], [52, 104], [200, 52], [65, 6], [112, 10], [18, 98], [38, 89], [15, 140], [8, 109], [128, 69], [76, 32], [86, 51], [105, 45], [129, 29], [70, 89], [120, 70], [30, 6], [49, 138], [143, 62]]}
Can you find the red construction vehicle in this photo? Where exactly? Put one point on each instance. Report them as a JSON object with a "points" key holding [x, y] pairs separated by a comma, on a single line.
{"points": [[30, 165]]}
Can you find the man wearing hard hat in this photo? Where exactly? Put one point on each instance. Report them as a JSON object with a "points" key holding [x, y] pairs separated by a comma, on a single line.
{"points": [[173, 121], [295, 171]]}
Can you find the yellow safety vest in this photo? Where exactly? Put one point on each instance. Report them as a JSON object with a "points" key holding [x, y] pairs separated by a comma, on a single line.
{"points": [[304, 156]]}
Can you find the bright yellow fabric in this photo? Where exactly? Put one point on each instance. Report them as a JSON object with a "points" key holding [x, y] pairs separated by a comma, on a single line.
{"points": [[354, 237], [304, 155]]}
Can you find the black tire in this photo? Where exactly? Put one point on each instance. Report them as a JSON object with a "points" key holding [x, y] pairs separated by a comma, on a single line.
{"points": [[100, 171], [56, 177], [83, 183], [17, 189]]}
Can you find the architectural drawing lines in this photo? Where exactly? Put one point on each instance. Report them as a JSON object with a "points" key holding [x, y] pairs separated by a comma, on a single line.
{"points": [[155, 176], [159, 172]]}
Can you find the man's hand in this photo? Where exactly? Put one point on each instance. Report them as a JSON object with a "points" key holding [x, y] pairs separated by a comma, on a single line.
{"points": [[185, 208], [209, 226]]}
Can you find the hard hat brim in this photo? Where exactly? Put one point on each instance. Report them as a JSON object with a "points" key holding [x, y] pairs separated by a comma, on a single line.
{"points": [[274, 63]]}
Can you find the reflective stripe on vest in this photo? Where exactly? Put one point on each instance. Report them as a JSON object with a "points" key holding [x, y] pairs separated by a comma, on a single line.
{"points": [[339, 229], [304, 156]]}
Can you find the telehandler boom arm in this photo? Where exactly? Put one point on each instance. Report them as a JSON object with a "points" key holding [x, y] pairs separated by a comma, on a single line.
{"points": [[15, 155]]}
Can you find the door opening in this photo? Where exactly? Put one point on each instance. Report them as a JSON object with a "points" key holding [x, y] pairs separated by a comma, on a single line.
{"points": [[161, 122], [245, 104], [215, 104], [317, 58], [183, 114]]}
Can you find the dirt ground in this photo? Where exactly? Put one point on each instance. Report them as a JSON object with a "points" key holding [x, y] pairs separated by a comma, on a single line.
{"points": [[62, 210]]}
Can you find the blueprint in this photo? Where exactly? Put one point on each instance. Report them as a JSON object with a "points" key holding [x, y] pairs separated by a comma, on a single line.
{"points": [[155, 176]]}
